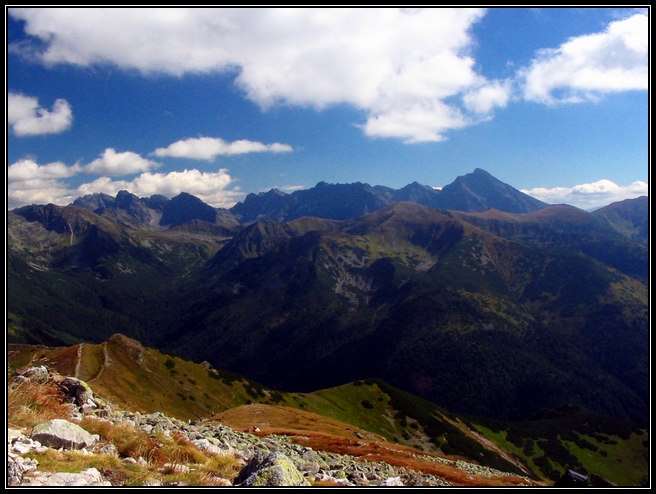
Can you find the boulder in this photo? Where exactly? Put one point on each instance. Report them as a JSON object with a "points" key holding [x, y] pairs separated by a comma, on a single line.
{"points": [[78, 392], [59, 433], [268, 470]]}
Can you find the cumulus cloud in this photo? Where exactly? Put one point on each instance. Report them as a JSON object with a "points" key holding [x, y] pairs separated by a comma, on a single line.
{"points": [[210, 187], [482, 100], [115, 164], [26, 117], [28, 169], [31, 183], [586, 67], [408, 70], [207, 148], [590, 196]]}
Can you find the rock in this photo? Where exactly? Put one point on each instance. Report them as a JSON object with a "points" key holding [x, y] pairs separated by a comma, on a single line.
{"points": [[78, 391], [392, 481], [40, 372], [13, 434], [268, 470], [59, 433], [87, 477], [107, 449], [175, 468], [330, 480], [14, 473]]}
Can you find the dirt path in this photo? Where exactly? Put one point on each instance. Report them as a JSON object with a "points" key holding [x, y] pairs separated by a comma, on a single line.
{"points": [[79, 361]]}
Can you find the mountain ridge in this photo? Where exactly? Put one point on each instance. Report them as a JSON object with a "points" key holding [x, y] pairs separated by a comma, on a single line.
{"points": [[475, 191], [527, 304]]}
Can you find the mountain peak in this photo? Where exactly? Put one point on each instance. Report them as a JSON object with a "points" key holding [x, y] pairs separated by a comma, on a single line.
{"points": [[480, 191], [184, 208]]}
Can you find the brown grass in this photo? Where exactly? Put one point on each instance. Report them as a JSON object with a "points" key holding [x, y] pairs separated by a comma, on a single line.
{"points": [[323, 434], [35, 401], [403, 456], [276, 417], [129, 441], [30, 403]]}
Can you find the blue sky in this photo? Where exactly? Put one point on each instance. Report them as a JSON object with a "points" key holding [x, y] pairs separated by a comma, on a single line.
{"points": [[220, 103]]}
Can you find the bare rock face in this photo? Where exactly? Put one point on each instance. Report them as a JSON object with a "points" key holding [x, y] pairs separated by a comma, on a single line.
{"points": [[60, 433]]}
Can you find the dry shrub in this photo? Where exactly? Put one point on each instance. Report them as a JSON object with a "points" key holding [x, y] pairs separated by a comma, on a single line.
{"points": [[216, 470], [30, 403], [129, 441], [179, 450], [225, 465]]}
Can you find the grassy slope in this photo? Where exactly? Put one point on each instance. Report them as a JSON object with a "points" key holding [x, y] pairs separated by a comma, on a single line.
{"points": [[153, 381]]}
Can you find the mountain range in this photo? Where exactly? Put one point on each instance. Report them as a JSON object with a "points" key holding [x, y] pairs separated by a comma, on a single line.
{"points": [[476, 297]]}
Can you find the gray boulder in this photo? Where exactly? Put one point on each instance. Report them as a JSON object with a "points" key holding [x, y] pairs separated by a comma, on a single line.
{"points": [[268, 470], [59, 433], [78, 392]]}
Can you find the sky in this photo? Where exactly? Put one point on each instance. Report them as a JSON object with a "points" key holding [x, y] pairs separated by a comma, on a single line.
{"points": [[223, 102]]}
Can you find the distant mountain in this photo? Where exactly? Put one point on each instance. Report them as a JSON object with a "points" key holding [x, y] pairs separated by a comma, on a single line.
{"points": [[569, 228], [125, 208], [184, 208], [492, 313], [480, 191], [473, 192], [333, 201], [477, 191], [629, 217], [420, 194], [271, 205], [94, 202]]}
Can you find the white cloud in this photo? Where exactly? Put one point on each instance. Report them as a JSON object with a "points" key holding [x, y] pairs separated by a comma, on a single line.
{"points": [[586, 67], [406, 69], [590, 196], [207, 148], [28, 169], [484, 99], [26, 117], [210, 187], [31, 183], [419, 122], [38, 191], [410, 71], [115, 164]]}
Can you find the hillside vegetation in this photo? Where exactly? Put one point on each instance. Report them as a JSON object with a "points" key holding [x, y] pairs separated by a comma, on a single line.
{"points": [[366, 417]]}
